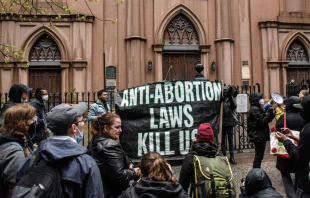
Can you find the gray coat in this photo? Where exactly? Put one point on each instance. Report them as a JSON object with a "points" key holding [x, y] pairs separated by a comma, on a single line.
{"points": [[10, 158]]}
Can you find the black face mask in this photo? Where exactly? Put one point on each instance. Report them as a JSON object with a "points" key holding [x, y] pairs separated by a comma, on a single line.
{"points": [[32, 129]]}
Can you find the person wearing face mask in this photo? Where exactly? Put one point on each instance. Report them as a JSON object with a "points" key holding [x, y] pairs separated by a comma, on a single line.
{"points": [[38, 130], [18, 94], [300, 153], [14, 146], [258, 128], [80, 176]]}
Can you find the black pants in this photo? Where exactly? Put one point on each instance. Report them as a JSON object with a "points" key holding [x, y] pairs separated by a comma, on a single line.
{"points": [[259, 153]]}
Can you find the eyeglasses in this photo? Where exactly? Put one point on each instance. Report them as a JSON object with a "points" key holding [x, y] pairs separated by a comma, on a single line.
{"points": [[83, 120]]}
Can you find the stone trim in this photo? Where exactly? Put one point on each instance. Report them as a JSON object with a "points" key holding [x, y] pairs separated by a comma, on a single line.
{"points": [[135, 38], [273, 64], [205, 48], [66, 18], [79, 63], [284, 25], [158, 47], [224, 39]]}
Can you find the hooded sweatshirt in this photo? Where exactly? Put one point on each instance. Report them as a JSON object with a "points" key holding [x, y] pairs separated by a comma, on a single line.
{"points": [[155, 189], [15, 95], [258, 119], [79, 173], [258, 185]]}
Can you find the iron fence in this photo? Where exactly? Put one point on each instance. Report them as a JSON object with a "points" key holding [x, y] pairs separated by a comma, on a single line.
{"points": [[294, 89], [241, 140], [55, 99]]}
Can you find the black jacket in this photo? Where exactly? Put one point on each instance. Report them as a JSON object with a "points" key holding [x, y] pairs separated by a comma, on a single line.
{"points": [[293, 122], [155, 189], [187, 171], [301, 154], [229, 113], [15, 95], [258, 119], [258, 185], [37, 133], [113, 164]]}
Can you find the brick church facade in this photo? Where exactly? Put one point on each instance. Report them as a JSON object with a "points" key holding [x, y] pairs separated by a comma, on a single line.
{"points": [[238, 42]]}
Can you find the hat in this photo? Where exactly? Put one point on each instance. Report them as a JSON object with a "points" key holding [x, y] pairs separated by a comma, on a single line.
{"points": [[293, 104], [63, 115], [305, 104], [205, 133]]}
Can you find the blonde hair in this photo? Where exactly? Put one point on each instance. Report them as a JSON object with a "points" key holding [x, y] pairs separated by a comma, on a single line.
{"points": [[99, 123], [15, 122], [154, 167]]}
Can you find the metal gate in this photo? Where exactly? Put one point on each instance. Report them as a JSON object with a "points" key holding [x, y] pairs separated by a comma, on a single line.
{"points": [[241, 139]]}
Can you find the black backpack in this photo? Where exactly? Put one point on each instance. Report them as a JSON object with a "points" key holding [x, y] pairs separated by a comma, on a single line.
{"points": [[39, 181]]}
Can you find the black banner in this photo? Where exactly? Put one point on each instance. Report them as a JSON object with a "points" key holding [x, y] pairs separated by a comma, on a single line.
{"points": [[164, 116]]}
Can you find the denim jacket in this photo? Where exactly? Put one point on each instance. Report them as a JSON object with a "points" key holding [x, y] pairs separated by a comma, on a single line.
{"points": [[97, 109]]}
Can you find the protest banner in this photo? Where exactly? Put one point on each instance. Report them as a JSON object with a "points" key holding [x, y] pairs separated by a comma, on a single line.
{"points": [[164, 116]]}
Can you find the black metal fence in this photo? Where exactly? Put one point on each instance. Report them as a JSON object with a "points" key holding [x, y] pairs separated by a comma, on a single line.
{"points": [[69, 98], [241, 140], [294, 89]]}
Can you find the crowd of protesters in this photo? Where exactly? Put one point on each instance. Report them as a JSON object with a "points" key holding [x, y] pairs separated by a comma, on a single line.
{"points": [[34, 142]]}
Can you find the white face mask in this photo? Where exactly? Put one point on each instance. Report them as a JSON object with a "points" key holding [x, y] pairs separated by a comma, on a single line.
{"points": [[261, 101], [22, 100], [45, 98]]}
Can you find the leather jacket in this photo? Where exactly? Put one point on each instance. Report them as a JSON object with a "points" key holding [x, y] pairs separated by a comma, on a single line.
{"points": [[113, 164]]}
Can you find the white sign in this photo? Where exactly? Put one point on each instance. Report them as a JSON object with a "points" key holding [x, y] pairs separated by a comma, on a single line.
{"points": [[242, 103], [111, 83]]}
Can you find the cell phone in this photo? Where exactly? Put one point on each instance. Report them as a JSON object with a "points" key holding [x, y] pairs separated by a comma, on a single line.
{"points": [[282, 131]]}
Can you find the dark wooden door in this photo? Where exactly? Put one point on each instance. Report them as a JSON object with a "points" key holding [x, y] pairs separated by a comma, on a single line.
{"points": [[49, 79], [298, 74], [179, 66]]}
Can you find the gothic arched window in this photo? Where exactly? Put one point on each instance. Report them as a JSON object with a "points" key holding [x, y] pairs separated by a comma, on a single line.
{"points": [[180, 31], [297, 53], [45, 49]]}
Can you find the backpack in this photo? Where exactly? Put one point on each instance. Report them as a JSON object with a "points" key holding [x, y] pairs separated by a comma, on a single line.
{"points": [[213, 178], [39, 181]]}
